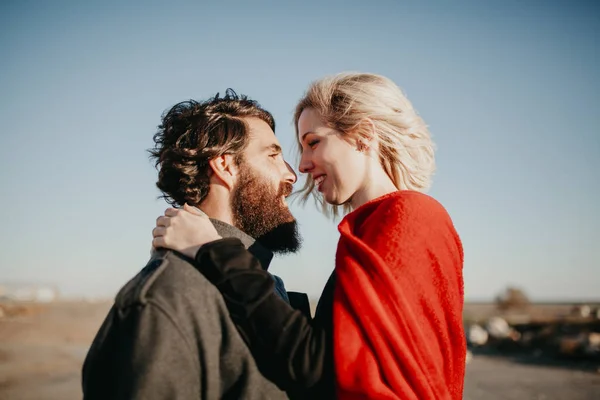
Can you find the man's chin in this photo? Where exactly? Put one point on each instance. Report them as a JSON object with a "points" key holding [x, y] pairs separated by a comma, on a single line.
{"points": [[283, 239]]}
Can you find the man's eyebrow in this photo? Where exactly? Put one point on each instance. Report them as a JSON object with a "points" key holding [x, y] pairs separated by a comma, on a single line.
{"points": [[274, 147]]}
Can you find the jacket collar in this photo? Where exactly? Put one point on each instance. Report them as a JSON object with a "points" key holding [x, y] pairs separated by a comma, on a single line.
{"points": [[259, 251]]}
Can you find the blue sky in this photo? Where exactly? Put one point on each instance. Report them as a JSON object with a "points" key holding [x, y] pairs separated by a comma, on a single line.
{"points": [[508, 89]]}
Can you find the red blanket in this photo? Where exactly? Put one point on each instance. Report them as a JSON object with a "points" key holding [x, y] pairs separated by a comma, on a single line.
{"points": [[398, 331]]}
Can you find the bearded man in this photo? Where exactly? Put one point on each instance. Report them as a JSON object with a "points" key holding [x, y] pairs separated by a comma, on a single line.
{"points": [[168, 334]]}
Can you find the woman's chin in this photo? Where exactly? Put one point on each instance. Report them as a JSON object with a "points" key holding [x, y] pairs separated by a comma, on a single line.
{"points": [[335, 200]]}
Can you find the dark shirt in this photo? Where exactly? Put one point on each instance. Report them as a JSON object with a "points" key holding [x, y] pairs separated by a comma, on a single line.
{"points": [[290, 349]]}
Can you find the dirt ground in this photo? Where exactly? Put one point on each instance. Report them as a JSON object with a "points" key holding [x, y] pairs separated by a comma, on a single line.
{"points": [[497, 377], [42, 348]]}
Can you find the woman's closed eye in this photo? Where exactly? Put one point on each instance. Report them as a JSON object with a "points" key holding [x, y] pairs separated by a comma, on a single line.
{"points": [[313, 143]]}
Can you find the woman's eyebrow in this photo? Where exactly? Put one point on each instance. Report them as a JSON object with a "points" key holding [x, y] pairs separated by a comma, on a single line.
{"points": [[304, 135]]}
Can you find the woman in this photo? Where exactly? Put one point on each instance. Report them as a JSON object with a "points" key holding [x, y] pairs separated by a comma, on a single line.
{"points": [[389, 322]]}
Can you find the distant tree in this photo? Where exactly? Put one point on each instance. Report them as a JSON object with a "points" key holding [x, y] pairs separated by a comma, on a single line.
{"points": [[512, 298]]}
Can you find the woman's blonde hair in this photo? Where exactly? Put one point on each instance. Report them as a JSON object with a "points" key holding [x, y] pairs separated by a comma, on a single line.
{"points": [[346, 101]]}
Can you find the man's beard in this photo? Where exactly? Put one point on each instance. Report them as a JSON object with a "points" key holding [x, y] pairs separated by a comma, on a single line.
{"points": [[259, 212]]}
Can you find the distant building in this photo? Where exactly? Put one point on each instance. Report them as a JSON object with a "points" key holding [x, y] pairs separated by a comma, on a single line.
{"points": [[583, 310], [28, 293]]}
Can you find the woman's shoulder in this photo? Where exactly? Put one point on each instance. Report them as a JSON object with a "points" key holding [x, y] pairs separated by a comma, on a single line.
{"points": [[417, 218], [400, 210], [406, 203]]}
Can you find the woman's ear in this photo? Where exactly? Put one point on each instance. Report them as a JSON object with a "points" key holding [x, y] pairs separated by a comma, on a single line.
{"points": [[224, 169], [366, 136], [368, 130]]}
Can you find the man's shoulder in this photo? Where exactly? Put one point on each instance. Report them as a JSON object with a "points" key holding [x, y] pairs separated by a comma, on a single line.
{"points": [[166, 278]]}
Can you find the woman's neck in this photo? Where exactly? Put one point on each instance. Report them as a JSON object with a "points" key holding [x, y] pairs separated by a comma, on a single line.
{"points": [[374, 187]]}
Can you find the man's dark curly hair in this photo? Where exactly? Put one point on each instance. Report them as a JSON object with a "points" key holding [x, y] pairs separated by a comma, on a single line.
{"points": [[191, 134]]}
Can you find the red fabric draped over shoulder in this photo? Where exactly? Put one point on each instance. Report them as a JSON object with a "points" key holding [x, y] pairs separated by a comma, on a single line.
{"points": [[398, 331]]}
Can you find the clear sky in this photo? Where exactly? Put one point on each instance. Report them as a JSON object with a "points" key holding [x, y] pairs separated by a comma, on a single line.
{"points": [[508, 89]]}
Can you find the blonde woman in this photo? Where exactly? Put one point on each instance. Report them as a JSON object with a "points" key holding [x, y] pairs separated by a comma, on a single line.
{"points": [[389, 322]]}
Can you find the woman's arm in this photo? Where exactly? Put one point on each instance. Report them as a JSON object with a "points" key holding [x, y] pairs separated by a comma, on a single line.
{"points": [[291, 350]]}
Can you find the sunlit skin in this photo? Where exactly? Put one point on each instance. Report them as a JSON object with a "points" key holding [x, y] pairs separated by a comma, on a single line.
{"points": [[187, 230], [263, 155], [345, 171]]}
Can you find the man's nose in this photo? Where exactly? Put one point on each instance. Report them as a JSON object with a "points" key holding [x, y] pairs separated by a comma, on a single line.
{"points": [[290, 176]]}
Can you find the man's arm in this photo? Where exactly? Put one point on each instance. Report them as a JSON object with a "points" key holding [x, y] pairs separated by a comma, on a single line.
{"points": [[140, 353], [291, 350]]}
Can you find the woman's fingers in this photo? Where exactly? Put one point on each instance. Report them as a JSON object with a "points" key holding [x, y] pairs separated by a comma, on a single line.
{"points": [[159, 231], [194, 210], [184, 230], [159, 242], [171, 212], [163, 221]]}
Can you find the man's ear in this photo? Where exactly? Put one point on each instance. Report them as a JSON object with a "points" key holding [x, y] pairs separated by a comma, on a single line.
{"points": [[224, 170]]}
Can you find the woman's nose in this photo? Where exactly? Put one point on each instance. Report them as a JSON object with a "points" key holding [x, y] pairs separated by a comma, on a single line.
{"points": [[305, 164]]}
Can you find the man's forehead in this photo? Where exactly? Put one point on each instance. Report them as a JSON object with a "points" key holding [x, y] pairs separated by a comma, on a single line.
{"points": [[261, 134]]}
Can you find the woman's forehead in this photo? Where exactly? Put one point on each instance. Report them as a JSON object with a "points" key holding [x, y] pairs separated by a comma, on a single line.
{"points": [[310, 121]]}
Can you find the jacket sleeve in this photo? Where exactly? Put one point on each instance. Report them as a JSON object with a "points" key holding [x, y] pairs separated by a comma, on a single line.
{"points": [[143, 355], [290, 349]]}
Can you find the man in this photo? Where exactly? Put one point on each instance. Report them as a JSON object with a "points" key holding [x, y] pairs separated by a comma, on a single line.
{"points": [[169, 334]]}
